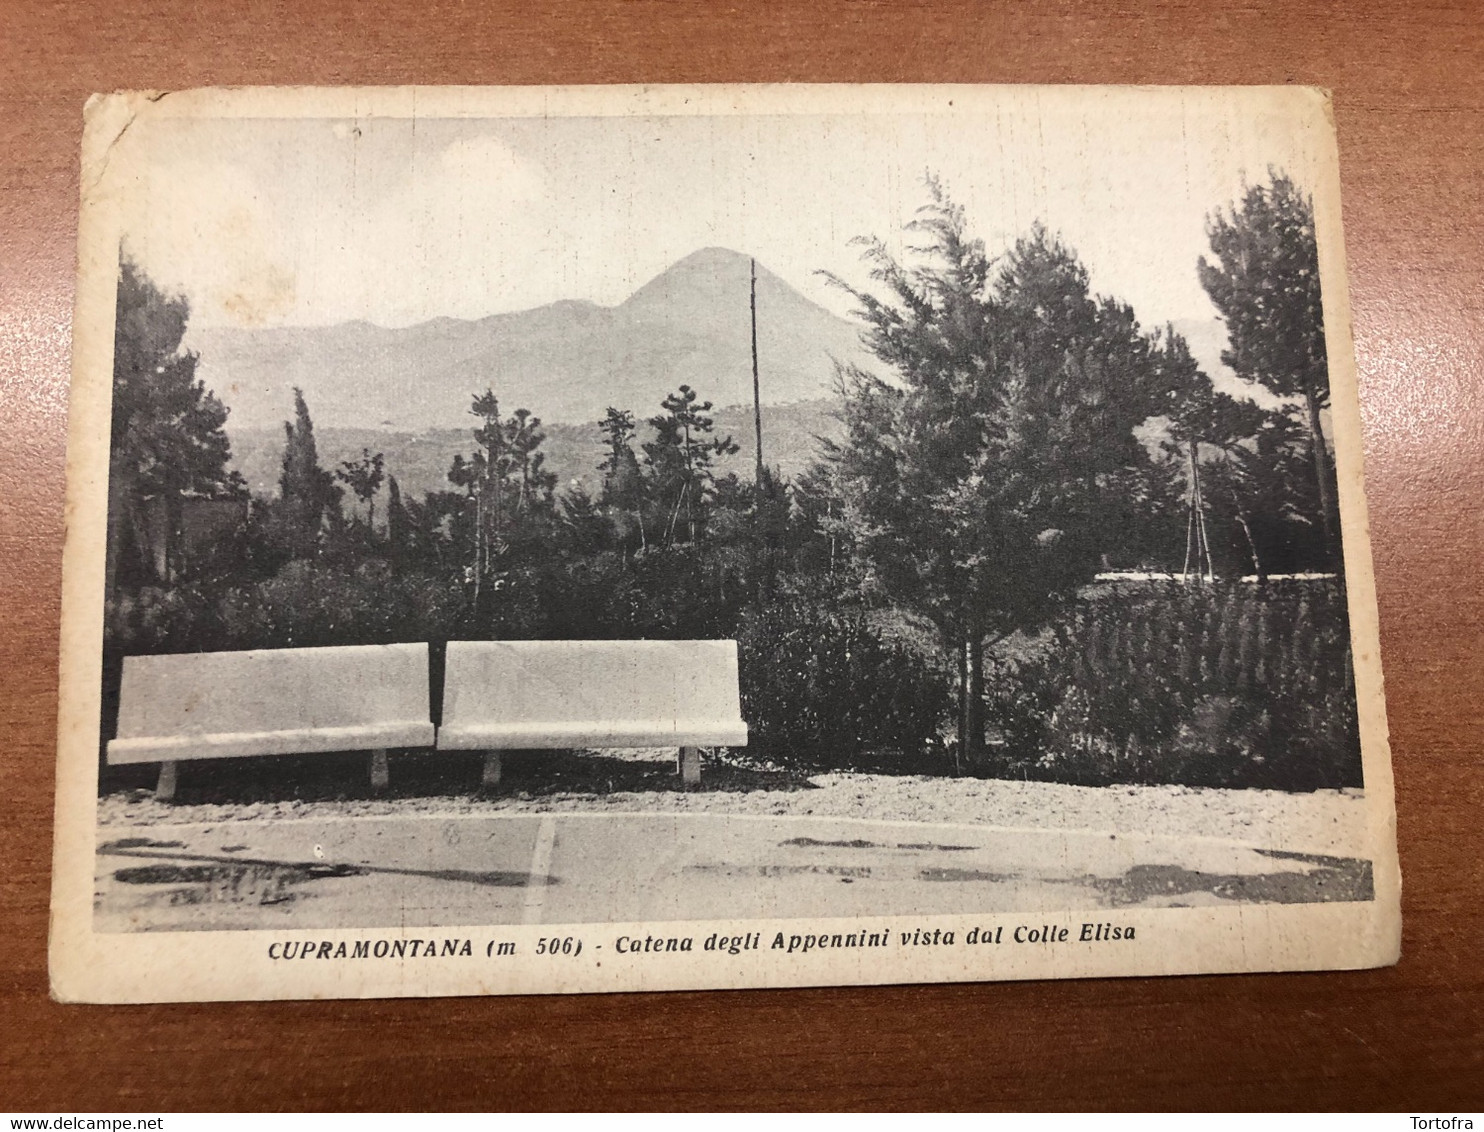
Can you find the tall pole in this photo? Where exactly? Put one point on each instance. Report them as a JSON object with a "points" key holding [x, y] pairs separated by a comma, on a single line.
{"points": [[757, 399]]}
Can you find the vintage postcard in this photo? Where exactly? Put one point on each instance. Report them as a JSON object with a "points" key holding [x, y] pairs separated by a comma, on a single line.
{"points": [[603, 539]]}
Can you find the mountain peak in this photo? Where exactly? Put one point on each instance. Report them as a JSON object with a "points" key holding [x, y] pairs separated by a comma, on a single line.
{"points": [[712, 276], [713, 256]]}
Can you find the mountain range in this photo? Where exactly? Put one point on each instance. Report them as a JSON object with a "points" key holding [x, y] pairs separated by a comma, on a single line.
{"points": [[565, 362]]}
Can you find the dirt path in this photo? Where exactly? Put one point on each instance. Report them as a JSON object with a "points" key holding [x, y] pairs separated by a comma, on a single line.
{"points": [[1330, 822]]}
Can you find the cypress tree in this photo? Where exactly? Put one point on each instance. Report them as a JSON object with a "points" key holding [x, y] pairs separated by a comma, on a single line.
{"points": [[307, 493]]}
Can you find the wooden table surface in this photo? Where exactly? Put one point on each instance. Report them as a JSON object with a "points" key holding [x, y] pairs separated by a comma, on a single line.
{"points": [[1408, 81]]}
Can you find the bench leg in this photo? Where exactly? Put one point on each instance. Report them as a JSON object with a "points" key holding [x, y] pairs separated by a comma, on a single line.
{"points": [[690, 765], [381, 775], [491, 776], [165, 787]]}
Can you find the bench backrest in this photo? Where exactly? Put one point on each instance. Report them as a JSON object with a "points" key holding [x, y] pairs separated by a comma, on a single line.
{"points": [[580, 682], [266, 690]]}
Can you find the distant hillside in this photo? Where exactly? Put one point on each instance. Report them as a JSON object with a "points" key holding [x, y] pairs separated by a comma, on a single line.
{"points": [[420, 460], [566, 362]]}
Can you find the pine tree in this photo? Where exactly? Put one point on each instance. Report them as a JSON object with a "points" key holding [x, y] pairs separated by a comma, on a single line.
{"points": [[979, 474], [488, 471], [1264, 279], [533, 491], [507, 483], [681, 457], [167, 439]]}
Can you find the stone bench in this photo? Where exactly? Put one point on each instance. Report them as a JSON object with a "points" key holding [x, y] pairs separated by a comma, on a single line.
{"points": [[220, 705], [503, 695]]}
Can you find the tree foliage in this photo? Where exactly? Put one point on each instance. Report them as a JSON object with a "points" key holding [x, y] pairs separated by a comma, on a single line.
{"points": [[364, 478], [1264, 279], [977, 468], [623, 494], [167, 441], [511, 492], [167, 426], [680, 460], [1015, 434], [308, 497]]}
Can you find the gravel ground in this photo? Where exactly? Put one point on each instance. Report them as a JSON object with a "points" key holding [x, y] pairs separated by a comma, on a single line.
{"points": [[1331, 822]]}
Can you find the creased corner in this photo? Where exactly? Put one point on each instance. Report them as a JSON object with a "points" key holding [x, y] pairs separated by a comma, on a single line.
{"points": [[106, 119]]}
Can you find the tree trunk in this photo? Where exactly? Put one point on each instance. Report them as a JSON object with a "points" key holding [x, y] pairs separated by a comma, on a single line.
{"points": [[1209, 571], [690, 515], [118, 494], [1246, 530], [1322, 475], [674, 517], [1189, 538], [478, 543], [1192, 526], [396, 520], [963, 703], [1196, 537], [976, 696]]}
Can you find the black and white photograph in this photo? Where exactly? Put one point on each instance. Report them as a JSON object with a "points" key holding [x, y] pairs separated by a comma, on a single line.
{"points": [[612, 539]]}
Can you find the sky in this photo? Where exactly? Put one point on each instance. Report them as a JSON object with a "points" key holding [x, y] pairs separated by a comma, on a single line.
{"points": [[268, 222]]}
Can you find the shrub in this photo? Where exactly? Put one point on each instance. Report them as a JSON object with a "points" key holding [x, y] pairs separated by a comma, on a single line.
{"points": [[156, 619], [1234, 686], [820, 687], [307, 604]]}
